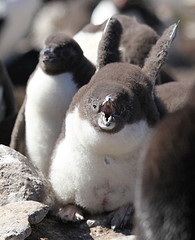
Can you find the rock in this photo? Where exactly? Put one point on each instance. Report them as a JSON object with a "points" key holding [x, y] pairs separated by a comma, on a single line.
{"points": [[20, 180], [17, 217]]}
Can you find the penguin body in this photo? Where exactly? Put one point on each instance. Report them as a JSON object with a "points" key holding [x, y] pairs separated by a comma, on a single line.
{"points": [[165, 186], [94, 162], [47, 109], [174, 94], [62, 69]]}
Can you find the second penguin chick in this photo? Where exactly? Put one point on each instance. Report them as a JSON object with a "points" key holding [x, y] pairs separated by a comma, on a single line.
{"points": [[61, 71]]}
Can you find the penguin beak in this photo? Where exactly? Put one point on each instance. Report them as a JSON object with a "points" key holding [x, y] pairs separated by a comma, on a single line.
{"points": [[47, 55], [106, 120], [108, 109]]}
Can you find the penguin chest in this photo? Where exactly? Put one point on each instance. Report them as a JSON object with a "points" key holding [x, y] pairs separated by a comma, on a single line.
{"points": [[96, 182], [93, 169], [48, 95], [47, 100], [107, 185]]}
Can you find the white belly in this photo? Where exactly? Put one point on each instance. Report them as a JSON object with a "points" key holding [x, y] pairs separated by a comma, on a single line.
{"points": [[98, 179], [46, 105]]}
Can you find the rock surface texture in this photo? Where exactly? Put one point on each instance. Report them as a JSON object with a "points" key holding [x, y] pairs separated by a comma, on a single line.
{"points": [[20, 180], [17, 217]]}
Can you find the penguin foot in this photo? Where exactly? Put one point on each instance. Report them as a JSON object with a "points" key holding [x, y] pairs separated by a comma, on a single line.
{"points": [[118, 219], [121, 217], [71, 213]]}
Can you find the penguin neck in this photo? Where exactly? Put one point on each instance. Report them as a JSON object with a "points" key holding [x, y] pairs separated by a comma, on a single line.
{"points": [[46, 92]]}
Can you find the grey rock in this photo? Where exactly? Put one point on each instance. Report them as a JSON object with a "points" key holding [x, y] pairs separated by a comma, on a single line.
{"points": [[20, 180], [17, 217]]}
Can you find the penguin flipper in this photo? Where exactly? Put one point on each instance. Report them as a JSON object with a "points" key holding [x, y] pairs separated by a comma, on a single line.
{"points": [[18, 133]]}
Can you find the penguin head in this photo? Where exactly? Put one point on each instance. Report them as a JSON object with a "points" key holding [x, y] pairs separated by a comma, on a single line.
{"points": [[106, 112], [60, 54], [110, 104]]}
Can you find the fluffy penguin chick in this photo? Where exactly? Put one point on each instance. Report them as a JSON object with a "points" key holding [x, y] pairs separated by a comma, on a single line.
{"points": [[165, 188], [94, 162], [61, 71]]}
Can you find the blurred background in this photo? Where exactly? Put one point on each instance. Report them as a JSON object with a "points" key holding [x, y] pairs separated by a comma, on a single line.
{"points": [[24, 25]]}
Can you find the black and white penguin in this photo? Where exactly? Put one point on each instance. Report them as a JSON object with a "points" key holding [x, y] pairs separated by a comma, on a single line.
{"points": [[94, 162], [61, 71], [164, 199], [7, 106]]}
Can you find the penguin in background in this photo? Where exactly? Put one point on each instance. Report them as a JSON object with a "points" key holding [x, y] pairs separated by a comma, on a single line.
{"points": [[164, 196], [174, 94], [142, 10], [94, 162], [68, 17], [135, 35], [61, 71], [10, 34], [7, 106]]}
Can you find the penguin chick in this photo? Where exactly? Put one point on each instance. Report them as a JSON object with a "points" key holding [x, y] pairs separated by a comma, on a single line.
{"points": [[174, 94], [165, 188], [134, 36], [61, 71], [94, 162], [108, 122]]}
